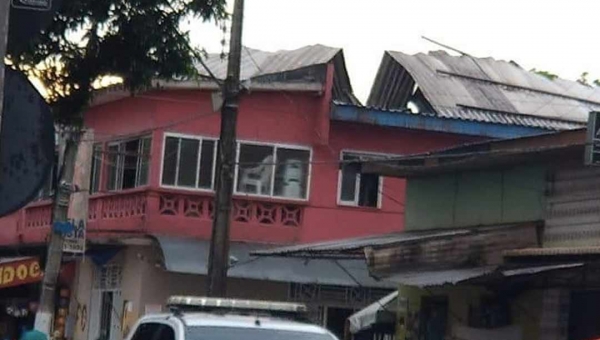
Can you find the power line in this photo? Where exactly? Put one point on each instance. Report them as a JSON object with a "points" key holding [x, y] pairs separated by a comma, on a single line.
{"points": [[139, 133]]}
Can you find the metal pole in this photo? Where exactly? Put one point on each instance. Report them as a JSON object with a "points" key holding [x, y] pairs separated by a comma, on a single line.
{"points": [[219, 245], [43, 318], [4, 20]]}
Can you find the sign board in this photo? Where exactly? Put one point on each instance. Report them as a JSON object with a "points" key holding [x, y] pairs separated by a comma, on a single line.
{"points": [[75, 240], [20, 272], [27, 19], [26, 143], [592, 143], [34, 5], [78, 206]]}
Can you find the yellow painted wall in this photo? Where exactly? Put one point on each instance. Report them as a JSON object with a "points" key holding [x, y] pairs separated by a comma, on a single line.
{"points": [[525, 309]]}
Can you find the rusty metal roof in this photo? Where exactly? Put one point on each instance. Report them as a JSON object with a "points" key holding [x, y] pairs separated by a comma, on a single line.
{"points": [[439, 277], [562, 251], [465, 275], [481, 89], [436, 164], [353, 248]]}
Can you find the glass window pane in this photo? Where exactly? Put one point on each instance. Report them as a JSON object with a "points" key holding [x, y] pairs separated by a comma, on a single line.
{"points": [[206, 164], [144, 161], [255, 169], [188, 162], [291, 174], [369, 190], [113, 157], [170, 161], [130, 165], [349, 174]]}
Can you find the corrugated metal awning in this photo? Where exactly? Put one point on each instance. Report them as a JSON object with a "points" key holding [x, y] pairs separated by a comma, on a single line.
{"points": [[353, 248], [190, 256], [424, 279], [439, 278], [558, 251], [367, 317]]}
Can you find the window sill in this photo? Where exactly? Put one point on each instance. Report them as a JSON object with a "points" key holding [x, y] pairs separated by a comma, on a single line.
{"points": [[239, 196], [120, 192], [280, 200], [358, 207]]}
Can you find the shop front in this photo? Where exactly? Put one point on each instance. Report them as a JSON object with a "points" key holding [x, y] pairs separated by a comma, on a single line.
{"points": [[19, 294]]}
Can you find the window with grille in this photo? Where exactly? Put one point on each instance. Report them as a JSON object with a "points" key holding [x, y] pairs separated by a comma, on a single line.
{"points": [[128, 163], [110, 277]]}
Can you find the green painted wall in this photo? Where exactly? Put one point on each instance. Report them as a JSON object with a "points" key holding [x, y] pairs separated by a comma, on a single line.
{"points": [[476, 198]]}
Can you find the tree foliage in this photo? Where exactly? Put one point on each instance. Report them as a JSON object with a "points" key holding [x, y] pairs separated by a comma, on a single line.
{"points": [[136, 40], [545, 74]]}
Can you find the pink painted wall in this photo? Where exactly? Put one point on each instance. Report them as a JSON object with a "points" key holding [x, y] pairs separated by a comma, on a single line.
{"points": [[289, 118], [292, 118]]}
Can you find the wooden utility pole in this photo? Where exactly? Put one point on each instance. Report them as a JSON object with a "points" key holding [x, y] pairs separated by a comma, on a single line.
{"points": [[219, 246], [4, 20], [60, 210]]}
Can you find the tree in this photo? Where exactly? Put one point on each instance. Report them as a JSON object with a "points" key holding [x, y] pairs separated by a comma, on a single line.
{"points": [[136, 40], [583, 79], [545, 74]]}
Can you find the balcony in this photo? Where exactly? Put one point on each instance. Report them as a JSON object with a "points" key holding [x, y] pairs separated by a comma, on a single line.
{"points": [[171, 212]]}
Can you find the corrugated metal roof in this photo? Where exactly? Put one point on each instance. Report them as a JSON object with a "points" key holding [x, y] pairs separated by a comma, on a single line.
{"points": [[354, 247], [256, 63], [457, 276], [305, 64], [4, 260], [367, 317], [562, 251], [190, 256], [535, 270], [440, 277], [482, 89]]}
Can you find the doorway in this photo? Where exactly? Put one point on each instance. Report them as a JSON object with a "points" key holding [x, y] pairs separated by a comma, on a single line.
{"points": [[433, 320], [584, 315], [335, 320]]}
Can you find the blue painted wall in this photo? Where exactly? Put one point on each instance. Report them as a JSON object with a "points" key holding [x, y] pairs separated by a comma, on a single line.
{"points": [[430, 123]]}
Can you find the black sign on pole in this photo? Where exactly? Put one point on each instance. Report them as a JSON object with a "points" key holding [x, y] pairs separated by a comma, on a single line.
{"points": [[27, 19], [26, 143], [36, 5], [592, 142]]}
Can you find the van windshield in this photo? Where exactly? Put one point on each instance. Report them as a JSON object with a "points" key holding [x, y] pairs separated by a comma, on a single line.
{"points": [[243, 333]]}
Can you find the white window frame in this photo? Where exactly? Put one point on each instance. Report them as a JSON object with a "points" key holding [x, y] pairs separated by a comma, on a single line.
{"points": [[275, 146], [199, 139], [120, 164], [96, 161], [354, 203]]}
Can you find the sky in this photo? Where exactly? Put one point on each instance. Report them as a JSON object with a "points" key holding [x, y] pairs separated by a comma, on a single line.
{"points": [[559, 36]]}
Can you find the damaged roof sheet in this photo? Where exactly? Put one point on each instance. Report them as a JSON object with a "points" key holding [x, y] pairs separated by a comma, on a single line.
{"points": [[256, 63], [354, 247], [482, 89], [439, 277], [456, 276], [302, 65]]}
